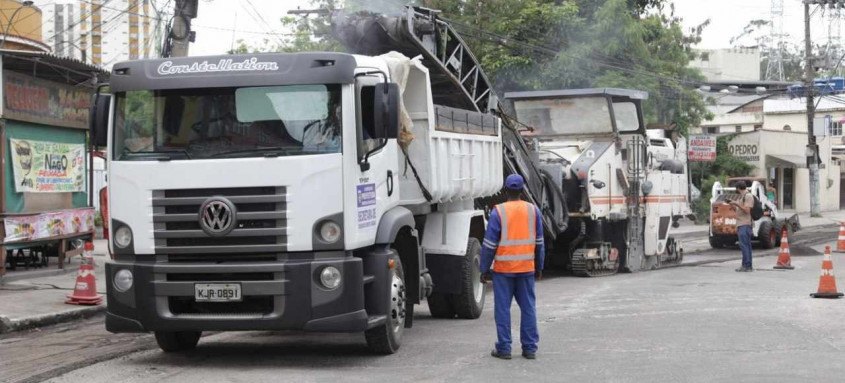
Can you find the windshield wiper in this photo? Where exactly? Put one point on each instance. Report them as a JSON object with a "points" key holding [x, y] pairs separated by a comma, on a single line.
{"points": [[160, 155], [272, 151]]}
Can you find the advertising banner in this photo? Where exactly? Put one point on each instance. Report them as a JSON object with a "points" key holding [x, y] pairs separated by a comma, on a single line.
{"points": [[47, 167], [49, 224], [30, 99], [702, 149]]}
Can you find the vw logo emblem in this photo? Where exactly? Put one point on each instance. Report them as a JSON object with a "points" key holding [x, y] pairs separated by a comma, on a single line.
{"points": [[217, 216]]}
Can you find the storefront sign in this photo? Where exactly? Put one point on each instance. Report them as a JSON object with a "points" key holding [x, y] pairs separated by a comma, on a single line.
{"points": [[702, 149], [30, 99], [46, 225], [745, 152], [47, 167]]}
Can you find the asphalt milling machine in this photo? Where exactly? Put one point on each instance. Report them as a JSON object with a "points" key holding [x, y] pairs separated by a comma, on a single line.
{"points": [[610, 190]]}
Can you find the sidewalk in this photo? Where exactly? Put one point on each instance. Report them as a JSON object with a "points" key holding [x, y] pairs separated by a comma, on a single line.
{"points": [[36, 298]]}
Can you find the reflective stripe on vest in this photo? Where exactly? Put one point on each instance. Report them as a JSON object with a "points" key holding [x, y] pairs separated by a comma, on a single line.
{"points": [[515, 253]]}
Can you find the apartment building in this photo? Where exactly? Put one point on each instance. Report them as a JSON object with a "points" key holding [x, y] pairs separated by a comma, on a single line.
{"points": [[100, 32]]}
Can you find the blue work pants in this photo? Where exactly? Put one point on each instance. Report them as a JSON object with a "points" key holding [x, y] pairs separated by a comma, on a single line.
{"points": [[744, 233], [505, 288]]}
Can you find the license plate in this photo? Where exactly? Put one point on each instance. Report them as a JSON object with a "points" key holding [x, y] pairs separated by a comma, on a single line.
{"points": [[217, 292]]}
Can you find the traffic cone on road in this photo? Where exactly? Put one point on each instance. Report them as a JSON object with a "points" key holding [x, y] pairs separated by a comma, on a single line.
{"points": [[784, 262], [827, 282], [85, 290], [840, 242]]}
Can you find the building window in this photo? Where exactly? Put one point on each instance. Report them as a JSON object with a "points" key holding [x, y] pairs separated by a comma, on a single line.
{"points": [[836, 128], [787, 127], [712, 130], [739, 128], [758, 127]]}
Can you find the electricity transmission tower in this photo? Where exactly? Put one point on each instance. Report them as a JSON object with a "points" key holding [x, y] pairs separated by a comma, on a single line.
{"points": [[774, 69]]}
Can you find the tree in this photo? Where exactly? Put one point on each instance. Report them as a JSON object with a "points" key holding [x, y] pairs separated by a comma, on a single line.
{"points": [[554, 44], [546, 44]]}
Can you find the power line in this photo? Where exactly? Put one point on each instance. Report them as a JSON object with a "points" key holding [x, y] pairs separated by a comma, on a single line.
{"points": [[493, 37], [254, 12], [82, 18]]}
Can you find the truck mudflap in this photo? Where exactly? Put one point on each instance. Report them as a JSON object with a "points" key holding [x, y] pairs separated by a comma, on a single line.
{"points": [[281, 294]]}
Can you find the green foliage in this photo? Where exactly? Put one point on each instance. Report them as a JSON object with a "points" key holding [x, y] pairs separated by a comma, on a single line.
{"points": [[554, 44]]}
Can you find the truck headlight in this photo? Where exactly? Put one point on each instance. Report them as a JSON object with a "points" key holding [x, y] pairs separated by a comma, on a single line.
{"points": [[330, 232], [330, 277], [122, 237], [123, 280]]}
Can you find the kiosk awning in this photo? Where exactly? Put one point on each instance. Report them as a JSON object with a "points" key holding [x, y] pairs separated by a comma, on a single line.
{"points": [[785, 161]]}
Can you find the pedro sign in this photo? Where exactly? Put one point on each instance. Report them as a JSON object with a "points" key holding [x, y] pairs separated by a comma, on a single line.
{"points": [[702, 149], [47, 167]]}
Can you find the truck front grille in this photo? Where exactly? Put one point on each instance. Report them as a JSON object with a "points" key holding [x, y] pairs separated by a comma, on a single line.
{"points": [[260, 221]]}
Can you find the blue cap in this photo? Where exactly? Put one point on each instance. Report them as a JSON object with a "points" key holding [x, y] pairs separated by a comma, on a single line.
{"points": [[514, 182]]}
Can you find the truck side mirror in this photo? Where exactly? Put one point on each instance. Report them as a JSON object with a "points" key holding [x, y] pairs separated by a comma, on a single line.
{"points": [[386, 110], [98, 119]]}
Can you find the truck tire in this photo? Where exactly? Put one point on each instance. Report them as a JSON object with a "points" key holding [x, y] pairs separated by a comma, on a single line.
{"points": [[175, 341], [716, 242], [469, 303], [386, 338], [767, 235], [440, 305]]}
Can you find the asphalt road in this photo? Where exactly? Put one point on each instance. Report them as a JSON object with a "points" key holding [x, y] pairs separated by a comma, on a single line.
{"points": [[698, 323]]}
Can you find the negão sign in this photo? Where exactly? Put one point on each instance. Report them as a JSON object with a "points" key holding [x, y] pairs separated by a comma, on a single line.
{"points": [[47, 167]]}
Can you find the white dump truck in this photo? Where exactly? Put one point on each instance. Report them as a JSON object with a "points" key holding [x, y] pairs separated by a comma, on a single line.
{"points": [[308, 191]]}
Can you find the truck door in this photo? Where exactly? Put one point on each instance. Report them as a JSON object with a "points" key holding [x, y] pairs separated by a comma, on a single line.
{"points": [[372, 185]]}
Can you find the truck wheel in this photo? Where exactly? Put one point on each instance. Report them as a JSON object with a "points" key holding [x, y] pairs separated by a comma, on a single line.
{"points": [[441, 306], [767, 235], [174, 341], [470, 302], [387, 338], [716, 243]]}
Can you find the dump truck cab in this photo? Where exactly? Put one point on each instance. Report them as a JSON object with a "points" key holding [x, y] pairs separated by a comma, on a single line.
{"points": [[270, 192]]}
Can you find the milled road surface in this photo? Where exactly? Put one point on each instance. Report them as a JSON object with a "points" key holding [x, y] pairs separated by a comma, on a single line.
{"points": [[702, 323]]}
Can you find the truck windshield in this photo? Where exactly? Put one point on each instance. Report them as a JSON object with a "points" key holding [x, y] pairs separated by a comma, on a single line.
{"points": [[567, 116], [227, 122]]}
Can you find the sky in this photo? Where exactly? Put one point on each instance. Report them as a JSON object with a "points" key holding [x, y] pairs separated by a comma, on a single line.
{"points": [[221, 23]]}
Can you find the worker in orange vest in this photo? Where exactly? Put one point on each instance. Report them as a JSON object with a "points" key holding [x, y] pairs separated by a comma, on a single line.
{"points": [[514, 247]]}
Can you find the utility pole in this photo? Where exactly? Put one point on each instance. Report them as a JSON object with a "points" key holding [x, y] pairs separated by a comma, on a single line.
{"points": [[180, 32], [812, 148]]}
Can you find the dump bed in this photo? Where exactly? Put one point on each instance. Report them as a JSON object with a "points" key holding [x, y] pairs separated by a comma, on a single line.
{"points": [[457, 155]]}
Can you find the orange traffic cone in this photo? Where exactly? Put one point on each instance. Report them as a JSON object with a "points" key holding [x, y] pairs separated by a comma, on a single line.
{"points": [[827, 282], [840, 242], [85, 291], [783, 255]]}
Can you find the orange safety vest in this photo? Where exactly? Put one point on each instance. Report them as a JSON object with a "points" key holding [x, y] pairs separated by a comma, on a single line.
{"points": [[515, 253]]}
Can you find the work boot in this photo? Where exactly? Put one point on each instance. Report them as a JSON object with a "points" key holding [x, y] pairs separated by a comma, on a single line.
{"points": [[529, 355], [500, 355]]}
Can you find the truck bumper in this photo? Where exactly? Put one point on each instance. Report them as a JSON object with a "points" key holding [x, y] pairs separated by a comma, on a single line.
{"points": [[280, 294]]}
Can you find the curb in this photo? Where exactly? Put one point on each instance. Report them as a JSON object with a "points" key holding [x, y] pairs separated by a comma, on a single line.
{"points": [[8, 326]]}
